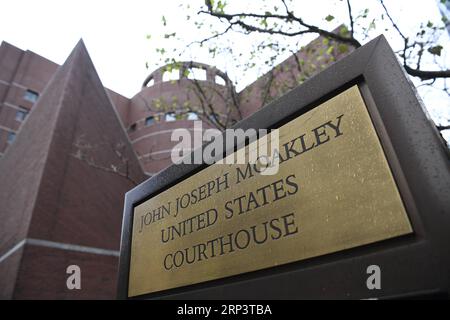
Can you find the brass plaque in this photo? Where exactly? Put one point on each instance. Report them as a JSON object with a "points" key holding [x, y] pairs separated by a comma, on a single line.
{"points": [[334, 190]]}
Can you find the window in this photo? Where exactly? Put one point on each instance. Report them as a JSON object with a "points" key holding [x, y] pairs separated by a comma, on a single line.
{"points": [[150, 83], [31, 96], [149, 121], [171, 75], [192, 116], [11, 137], [197, 74], [170, 116], [132, 127], [21, 115], [220, 80]]}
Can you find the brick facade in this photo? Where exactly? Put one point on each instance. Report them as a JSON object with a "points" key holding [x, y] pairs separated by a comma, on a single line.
{"points": [[70, 149]]}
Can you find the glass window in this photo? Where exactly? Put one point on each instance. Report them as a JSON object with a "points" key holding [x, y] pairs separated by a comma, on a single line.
{"points": [[192, 116], [150, 83], [220, 80], [197, 74], [11, 137], [31, 96], [149, 121], [170, 116], [21, 115], [171, 75]]}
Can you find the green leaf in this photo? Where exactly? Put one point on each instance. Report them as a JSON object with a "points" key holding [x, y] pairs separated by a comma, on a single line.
{"points": [[263, 22], [329, 17], [343, 31], [164, 21], [330, 50], [343, 48], [220, 6], [436, 50], [429, 24], [365, 13], [162, 50], [149, 36]]}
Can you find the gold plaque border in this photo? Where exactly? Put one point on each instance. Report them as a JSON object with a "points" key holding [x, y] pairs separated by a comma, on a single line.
{"points": [[389, 156]]}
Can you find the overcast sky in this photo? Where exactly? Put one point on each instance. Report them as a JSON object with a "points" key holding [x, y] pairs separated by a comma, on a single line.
{"points": [[115, 31]]}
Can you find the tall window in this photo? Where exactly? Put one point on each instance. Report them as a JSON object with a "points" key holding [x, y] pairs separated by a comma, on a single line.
{"points": [[31, 96], [197, 74], [171, 75], [220, 80], [170, 116], [150, 83], [192, 116], [21, 115], [11, 137], [149, 121]]}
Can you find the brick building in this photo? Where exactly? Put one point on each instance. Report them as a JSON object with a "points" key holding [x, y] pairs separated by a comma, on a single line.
{"points": [[70, 149]]}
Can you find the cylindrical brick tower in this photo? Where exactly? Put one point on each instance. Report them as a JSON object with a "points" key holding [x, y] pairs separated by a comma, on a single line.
{"points": [[174, 97]]}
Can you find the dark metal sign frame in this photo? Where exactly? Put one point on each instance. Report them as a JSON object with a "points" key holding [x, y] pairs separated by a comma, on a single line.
{"points": [[416, 265]]}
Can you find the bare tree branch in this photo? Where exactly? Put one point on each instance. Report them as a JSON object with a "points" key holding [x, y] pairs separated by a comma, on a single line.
{"points": [[422, 74], [241, 19], [392, 21], [237, 19], [122, 169], [350, 17], [208, 107], [201, 42], [267, 88], [427, 75], [441, 128]]}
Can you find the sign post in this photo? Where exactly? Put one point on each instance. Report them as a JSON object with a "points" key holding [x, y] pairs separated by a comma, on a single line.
{"points": [[363, 184]]}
